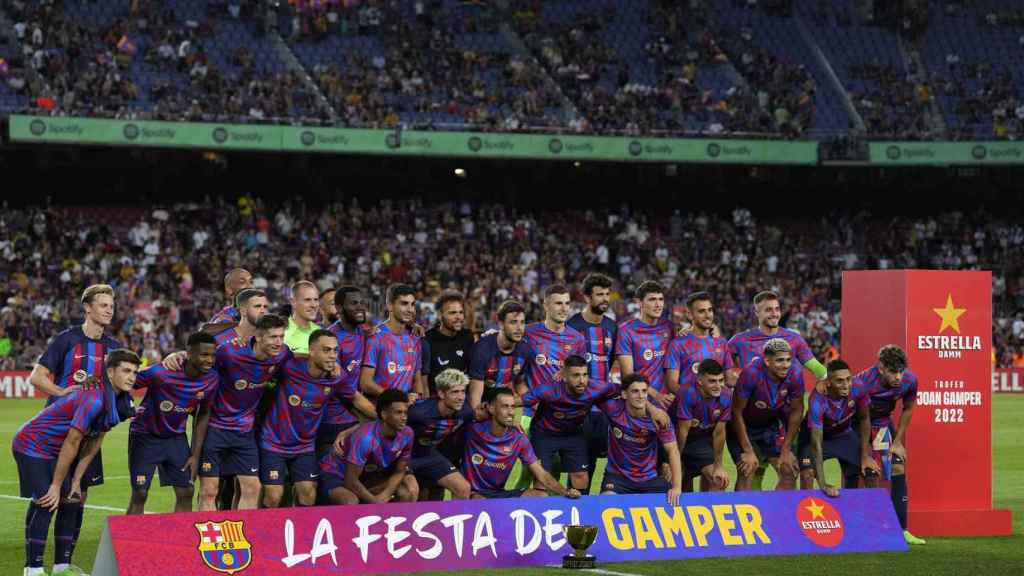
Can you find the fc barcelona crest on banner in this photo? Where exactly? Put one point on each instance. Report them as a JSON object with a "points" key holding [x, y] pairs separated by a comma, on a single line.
{"points": [[223, 546]]}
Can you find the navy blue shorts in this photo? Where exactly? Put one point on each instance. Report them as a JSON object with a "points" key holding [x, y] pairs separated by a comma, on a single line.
{"points": [[697, 454], [571, 450], [844, 447], [766, 441], [595, 430], [226, 452], [146, 452], [35, 475], [622, 485], [327, 483], [328, 433], [490, 494], [276, 467], [93, 474], [431, 467]]}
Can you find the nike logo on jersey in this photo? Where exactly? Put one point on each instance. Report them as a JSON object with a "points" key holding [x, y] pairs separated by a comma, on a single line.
{"points": [[253, 469], [443, 362]]}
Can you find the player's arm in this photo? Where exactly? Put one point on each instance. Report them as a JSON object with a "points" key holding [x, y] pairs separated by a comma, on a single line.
{"points": [[42, 379], [214, 329], [816, 367], [364, 406], [355, 485], [659, 416], [718, 447], [366, 383], [897, 448], [548, 481], [682, 431], [476, 392], [625, 364], [200, 424], [68, 453], [672, 380], [394, 481], [819, 468], [419, 386], [868, 467], [676, 465], [86, 454], [748, 461], [796, 414]]}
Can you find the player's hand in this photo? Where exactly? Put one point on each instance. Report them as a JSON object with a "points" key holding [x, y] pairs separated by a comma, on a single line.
{"points": [[50, 500], [685, 330], [719, 477], [821, 386], [673, 497], [75, 493], [339, 441], [830, 491], [417, 330], [748, 463], [715, 331], [572, 493], [661, 419], [413, 397], [788, 459], [897, 449], [191, 467], [868, 467], [174, 361]]}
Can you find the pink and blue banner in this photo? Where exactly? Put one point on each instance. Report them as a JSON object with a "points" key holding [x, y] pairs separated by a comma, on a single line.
{"points": [[426, 536]]}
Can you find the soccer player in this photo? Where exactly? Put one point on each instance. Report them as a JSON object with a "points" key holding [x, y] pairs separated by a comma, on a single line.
{"points": [[548, 344], [251, 304], [74, 358], [827, 432], [885, 384], [701, 413], [374, 467], [643, 342], [288, 433], [499, 359], [767, 406], [235, 281], [224, 436], [302, 323], [747, 345], [447, 345], [562, 407], [438, 424], [633, 441], [686, 352], [65, 437], [492, 448], [339, 415], [328, 308], [392, 359], [157, 433]]}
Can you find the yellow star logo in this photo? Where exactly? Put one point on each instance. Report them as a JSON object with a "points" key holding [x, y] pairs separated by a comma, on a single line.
{"points": [[815, 510], [950, 315]]}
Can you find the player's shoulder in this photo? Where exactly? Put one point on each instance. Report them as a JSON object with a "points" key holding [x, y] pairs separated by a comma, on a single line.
{"points": [[573, 334], [791, 334], [725, 398]]}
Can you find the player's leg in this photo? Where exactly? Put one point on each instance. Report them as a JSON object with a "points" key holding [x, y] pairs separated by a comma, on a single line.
{"points": [[73, 514], [331, 491], [249, 492], [900, 499], [572, 450], [142, 463], [303, 472], [545, 447], [341, 496], [525, 478], [244, 461], [273, 467], [209, 487], [534, 493], [744, 482], [305, 493], [805, 459], [34, 476], [595, 429], [177, 453], [408, 490], [211, 473], [457, 484]]}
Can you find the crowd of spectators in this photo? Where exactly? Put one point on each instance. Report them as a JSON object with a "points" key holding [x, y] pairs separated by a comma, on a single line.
{"points": [[167, 263]]}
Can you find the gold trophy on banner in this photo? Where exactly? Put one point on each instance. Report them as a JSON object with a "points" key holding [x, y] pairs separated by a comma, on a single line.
{"points": [[580, 537]]}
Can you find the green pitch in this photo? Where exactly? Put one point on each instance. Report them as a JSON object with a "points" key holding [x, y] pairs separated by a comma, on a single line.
{"points": [[970, 556]]}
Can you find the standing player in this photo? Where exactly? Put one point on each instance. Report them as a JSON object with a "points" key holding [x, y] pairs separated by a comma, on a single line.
{"points": [[46, 449], [339, 415], [438, 424], [686, 352], [702, 413], [827, 432], [302, 323], [885, 384], [747, 345], [374, 467], [392, 359], [643, 342], [633, 442], [251, 304], [157, 433], [768, 404], [448, 344], [224, 434], [289, 430], [235, 281], [499, 359], [548, 344], [492, 448]]}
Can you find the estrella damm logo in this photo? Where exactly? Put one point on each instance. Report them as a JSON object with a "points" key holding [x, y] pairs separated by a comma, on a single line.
{"points": [[820, 522], [223, 546]]}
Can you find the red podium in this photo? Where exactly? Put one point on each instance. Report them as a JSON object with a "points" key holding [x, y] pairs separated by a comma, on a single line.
{"points": [[943, 319]]}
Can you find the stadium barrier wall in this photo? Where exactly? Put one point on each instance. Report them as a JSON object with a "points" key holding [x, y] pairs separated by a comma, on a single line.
{"points": [[1008, 380], [946, 153], [15, 384], [465, 534], [943, 320]]}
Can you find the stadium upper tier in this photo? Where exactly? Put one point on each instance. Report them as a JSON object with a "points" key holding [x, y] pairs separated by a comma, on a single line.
{"points": [[802, 69]]}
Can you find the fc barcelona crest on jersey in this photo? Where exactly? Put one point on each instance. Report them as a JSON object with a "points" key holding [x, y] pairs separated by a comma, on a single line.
{"points": [[223, 546]]}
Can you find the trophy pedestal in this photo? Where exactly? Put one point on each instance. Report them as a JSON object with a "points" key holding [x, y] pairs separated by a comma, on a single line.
{"points": [[574, 562]]}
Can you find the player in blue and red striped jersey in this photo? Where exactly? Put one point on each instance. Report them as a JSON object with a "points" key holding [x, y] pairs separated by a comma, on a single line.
{"points": [[157, 433], [224, 433], [767, 406], [338, 414], [492, 448], [702, 412], [885, 384], [633, 442], [235, 281], [374, 467], [747, 345], [548, 344], [439, 424], [686, 352], [64, 438], [827, 432], [289, 429], [643, 342], [251, 304], [393, 357], [561, 410], [499, 359]]}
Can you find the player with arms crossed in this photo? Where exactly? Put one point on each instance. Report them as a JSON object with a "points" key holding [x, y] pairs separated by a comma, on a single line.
{"points": [[702, 413]]}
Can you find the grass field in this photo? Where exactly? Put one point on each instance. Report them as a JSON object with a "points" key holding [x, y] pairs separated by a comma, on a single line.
{"points": [[972, 556]]}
